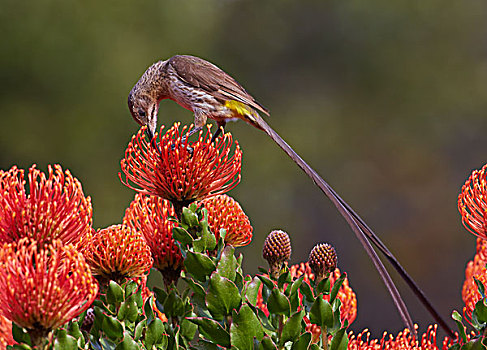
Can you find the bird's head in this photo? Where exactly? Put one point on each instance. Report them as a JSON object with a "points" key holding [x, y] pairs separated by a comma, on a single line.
{"points": [[144, 110]]}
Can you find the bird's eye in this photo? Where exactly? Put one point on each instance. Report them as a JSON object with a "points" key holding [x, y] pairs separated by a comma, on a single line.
{"points": [[141, 112]]}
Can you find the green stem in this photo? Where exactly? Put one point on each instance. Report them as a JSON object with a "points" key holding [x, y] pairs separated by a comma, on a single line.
{"points": [[279, 330], [324, 337]]}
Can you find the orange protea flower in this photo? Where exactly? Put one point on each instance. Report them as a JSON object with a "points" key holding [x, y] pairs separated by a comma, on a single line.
{"points": [[180, 171], [403, 341], [6, 337], [117, 252], [53, 208], [225, 212], [472, 203], [475, 268], [43, 288], [150, 216]]}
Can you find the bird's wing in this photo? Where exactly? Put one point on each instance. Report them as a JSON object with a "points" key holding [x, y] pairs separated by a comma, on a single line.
{"points": [[205, 75]]}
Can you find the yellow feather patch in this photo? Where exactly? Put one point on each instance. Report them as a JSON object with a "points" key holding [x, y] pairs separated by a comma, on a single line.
{"points": [[240, 109]]}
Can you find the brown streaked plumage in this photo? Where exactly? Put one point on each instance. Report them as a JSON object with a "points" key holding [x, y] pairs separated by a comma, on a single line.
{"points": [[209, 92], [197, 85]]}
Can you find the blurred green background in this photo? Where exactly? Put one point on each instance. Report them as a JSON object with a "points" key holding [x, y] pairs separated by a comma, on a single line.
{"points": [[385, 99]]}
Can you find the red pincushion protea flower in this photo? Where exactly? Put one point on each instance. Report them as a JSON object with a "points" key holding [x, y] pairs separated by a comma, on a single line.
{"points": [[6, 337], [475, 268], [225, 212], [403, 341], [150, 216], [117, 252], [180, 171], [472, 203], [43, 288], [54, 208]]}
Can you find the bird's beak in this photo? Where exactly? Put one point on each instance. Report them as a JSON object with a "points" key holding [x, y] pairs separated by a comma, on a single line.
{"points": [[150, 133], [152, 124]]}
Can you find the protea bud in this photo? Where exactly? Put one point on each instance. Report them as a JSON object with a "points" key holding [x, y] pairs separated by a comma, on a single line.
{"points": [[322, 260], [277, 249]]}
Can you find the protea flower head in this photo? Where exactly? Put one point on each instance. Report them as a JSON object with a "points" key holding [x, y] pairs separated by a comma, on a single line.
{"points": [[276, 250], [225, 212], [41, 288], [322, 260], [116, 253], [6, 337], [180, 171], [150, 216], [54, 207], [472, 203], [475, 269], [403, 341]]}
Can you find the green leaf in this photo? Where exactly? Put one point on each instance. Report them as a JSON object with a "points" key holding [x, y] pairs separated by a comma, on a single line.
{"points": [[321, 312], [278, 303], [461, 329], [173, 305], [295, 286], [114, 293], [98, 321], [130, 288], [128, 310], [189, 218], [182, 236], [107, 344], [212, 330], [323, 287], [148, 311], [284, 278], [267, 281], [65, 342], [239, 280], [74, 330], [267, 344], [480, 287], [138, 298], [340, 340], [206, 345], [292, 328], [112, 327], [473, 345], [188, 329], [245, 326], [127, 343], [195, 286], [303, 342], [161, 294], [228, 264], [207, 236], [222, 297], [307, 292], [336, 286], [154, 334], [480, 311], [139, 329], [199, 265], [252, 290]]}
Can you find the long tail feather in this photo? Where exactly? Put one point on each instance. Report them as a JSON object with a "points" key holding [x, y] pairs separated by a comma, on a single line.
{"points": [[362, 231]]}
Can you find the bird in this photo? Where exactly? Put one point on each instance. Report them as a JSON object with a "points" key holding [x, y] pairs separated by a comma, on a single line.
{"points": [[209, 92], [196, 85]]}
